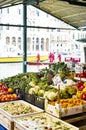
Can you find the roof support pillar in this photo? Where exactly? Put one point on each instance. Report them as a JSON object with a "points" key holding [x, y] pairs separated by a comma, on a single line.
{"points": [[25, 38]]}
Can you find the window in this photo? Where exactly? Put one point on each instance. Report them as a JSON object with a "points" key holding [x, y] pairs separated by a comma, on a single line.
{"points": [[19, 39], [37, 44], [0, 11], [8, 10], [47, 44], [7, 40], [19, 28], [42, 44], [37, 12], [32, 24], [51, 30], [19, 11], [37, 40], [7, 27], [1, 27], [0, 35], [47, 15], [47, 29], [29, 43], [14, 41], [58, 29]]}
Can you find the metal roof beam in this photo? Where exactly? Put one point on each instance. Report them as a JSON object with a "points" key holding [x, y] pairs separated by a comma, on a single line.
{"points": [[40, 27]]}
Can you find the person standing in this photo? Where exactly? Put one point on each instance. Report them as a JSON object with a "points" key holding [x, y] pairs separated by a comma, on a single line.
{"points": [[59, 57], [38, 57], [51, 57]]}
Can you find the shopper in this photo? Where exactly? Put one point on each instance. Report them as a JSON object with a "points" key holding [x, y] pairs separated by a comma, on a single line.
{"points": [[59, 57], [51, 57], [38, 57]]}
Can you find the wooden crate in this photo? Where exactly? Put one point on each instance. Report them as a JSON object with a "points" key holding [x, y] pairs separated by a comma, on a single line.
{"points": [[7, 119], [41, 120], [15, 128], [24, 103], [58, 111], [6, 122]]}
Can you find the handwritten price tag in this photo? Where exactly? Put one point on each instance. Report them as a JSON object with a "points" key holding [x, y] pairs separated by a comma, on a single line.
{"points": [[78, 68], [57, 80]]}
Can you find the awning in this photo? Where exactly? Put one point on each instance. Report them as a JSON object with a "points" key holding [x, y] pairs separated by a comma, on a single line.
{"points": [[4, 3], [72, 12]]}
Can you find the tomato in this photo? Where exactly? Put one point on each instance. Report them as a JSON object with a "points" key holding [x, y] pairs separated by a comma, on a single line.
{"points": [[84, 96], [80, 83], [81, 88]]}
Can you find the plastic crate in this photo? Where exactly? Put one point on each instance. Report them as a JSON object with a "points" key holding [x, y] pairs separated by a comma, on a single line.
{"points": [[39, 102], [2, 127], [30, 98]]}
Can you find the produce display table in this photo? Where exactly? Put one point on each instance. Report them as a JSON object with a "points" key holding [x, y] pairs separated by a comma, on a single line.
{"points": [[4, 121], [56, 91], [78, 120], [42, 121], [15, 109]]}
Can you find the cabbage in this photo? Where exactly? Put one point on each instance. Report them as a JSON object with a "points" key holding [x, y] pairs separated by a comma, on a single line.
{"points": [[69, 82], [52, 96], [32, 84], [31, 91], [41, 93], [46, 93], [36, 89]]}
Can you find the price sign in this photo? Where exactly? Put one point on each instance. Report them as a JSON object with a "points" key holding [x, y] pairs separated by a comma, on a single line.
{"points": [[78, 68], [57, 80]]}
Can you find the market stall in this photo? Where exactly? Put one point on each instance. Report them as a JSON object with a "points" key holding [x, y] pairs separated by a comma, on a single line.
{"points": [[57, 91]]}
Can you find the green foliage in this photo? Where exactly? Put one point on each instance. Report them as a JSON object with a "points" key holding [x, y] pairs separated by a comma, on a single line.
{"points": [[64, 94], [26, 82]]}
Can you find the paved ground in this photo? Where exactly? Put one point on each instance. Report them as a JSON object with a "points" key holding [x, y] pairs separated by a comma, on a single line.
{"points": [[10, 69]]}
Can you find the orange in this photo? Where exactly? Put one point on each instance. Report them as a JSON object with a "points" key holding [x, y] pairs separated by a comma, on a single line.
{"points": [[15, 96], [10, 90]]}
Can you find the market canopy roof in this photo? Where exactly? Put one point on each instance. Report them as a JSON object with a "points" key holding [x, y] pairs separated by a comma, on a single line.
{"points": [[72, 12]]}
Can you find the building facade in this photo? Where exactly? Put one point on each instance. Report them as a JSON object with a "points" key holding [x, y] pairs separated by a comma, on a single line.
{"points": [[38, 39]]}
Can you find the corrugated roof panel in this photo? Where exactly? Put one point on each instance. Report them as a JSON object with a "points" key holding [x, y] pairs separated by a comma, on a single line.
{"points": [[73, 14], [70, 11], [4, 3]]}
